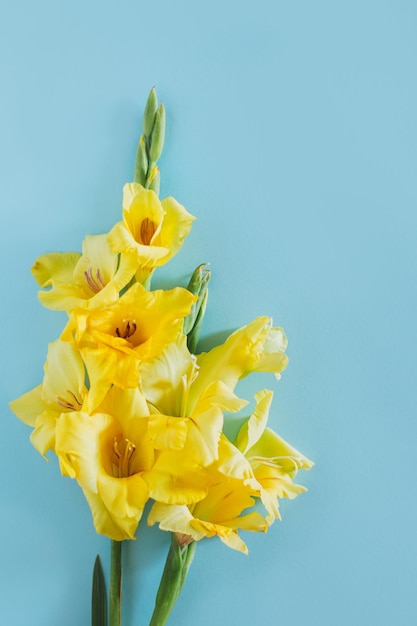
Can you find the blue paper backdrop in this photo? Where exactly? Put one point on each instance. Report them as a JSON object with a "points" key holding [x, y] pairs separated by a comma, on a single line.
{"points": [[292, 137]]}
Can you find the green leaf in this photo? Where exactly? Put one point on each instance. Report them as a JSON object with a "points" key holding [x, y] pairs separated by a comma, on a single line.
{"points": [[98, 596]]}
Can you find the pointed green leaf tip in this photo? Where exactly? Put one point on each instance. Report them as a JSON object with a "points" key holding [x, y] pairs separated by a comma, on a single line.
{"points": [[98, 596], [149, 113]]}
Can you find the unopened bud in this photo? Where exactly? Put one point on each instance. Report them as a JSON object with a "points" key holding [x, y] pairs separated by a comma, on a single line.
{"points": [[198, 286], [158, 135], [149, 113], [141, 162]]}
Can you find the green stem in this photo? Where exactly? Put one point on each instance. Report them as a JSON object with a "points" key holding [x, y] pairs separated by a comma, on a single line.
{"points": [[175, 572], [116, 583]]}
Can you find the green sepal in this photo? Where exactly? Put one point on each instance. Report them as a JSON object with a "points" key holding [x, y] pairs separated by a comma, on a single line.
{"points": [[175, 572], [98, 596], [151, 108]]}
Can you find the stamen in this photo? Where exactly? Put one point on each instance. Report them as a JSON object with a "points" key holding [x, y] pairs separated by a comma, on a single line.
{"points": [[128, 331], [186, 382], [95, 284], [73, 405], [275, 462], [99, 279], [124, 450], [147, 231]]}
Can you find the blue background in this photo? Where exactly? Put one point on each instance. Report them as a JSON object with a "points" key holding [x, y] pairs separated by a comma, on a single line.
{"points": [[292, 137]]}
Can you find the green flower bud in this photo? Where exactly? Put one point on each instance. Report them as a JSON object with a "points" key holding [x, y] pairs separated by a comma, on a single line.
{"points": [[198, 285], [149, 113], [141, 162], [158, 135]]}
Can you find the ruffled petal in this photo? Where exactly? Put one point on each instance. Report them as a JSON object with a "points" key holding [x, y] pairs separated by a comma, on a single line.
{"points": [[55, 268], [249, 349], [253, 428]]}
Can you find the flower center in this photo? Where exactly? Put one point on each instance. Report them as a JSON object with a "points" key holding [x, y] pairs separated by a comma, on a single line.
{"points": [[123, 450], [127, 329], [147, 231], [186, 382], [96, 282], [72, 403]]}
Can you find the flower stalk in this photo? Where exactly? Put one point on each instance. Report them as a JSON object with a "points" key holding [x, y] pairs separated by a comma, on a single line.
{"points": [[116, 584], [175, 572]]}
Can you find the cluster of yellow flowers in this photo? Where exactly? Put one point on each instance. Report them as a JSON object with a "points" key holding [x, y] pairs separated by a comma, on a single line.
{"points": [[131, 413]]}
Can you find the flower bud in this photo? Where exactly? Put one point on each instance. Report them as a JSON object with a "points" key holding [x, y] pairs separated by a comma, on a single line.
{"points": [[158, 135], [149, 113], [141, 162], [198, 286]]}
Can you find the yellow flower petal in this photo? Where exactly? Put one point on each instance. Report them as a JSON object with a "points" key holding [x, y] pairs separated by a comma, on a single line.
{"points": [[255, 347], [43, 435], [168, 433], [29, 405], [55, 266], [176, 479], [254, 427]]}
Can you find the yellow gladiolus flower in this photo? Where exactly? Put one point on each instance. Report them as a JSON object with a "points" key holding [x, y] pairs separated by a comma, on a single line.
{"points": [[152, 231], [120, 457], [92, 279], [167, 383], [115, 339], [62, 390], [221, 512], [274, 462], [179, 384], [257, 347]]}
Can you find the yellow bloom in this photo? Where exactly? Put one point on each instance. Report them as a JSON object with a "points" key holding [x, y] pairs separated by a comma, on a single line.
{"points": [[257, 347], [274, 462], [152, 231], [177, 383], [118, 458], [93, 278], [61, 391], [167, 383], [115, 339], [221, 512]]}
